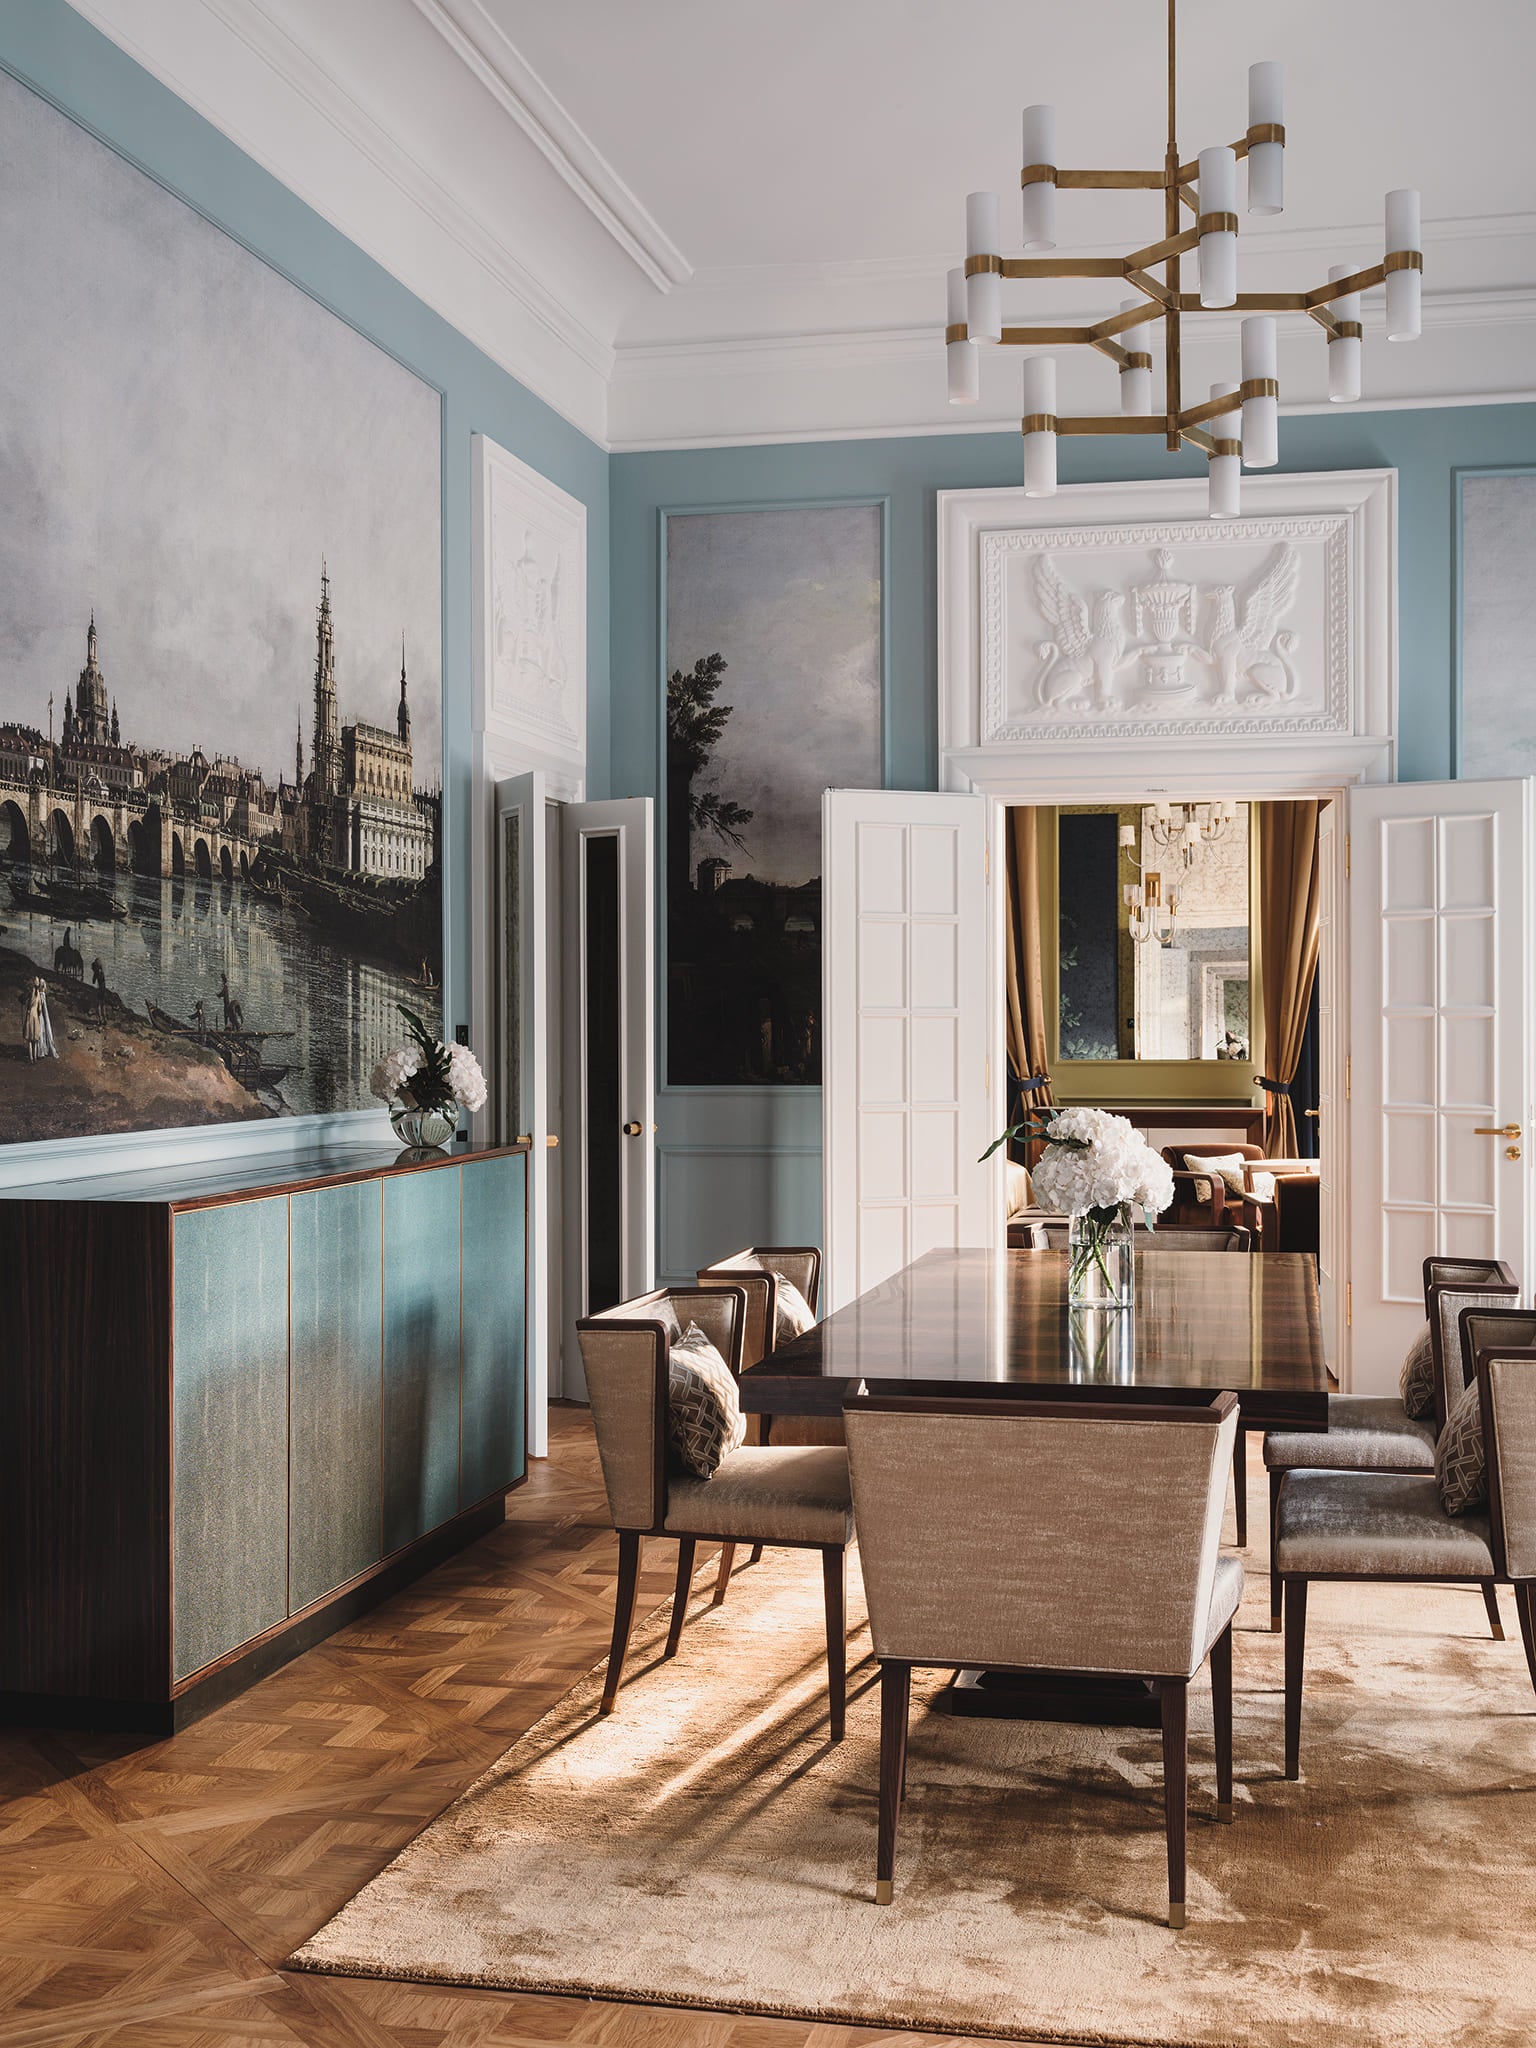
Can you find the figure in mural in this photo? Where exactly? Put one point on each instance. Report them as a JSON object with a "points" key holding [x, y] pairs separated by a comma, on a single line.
{"points": [[234, 1016], [1084, 658], [67, 960], [1250, 648], [99, 983], [37, 1028]]}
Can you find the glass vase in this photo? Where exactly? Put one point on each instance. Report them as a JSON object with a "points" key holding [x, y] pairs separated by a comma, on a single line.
{"points": [[1101, 1261], [424, 1129]]}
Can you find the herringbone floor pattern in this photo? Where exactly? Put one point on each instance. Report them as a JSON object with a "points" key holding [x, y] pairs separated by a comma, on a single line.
{"points": [[148, 1893]]}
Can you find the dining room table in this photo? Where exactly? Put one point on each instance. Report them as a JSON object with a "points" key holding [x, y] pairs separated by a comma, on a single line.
{"points": [[989, 1325]]}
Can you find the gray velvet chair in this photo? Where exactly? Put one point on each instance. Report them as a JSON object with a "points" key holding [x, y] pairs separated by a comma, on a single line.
{"points": [[1373, 1432], [1047, 1537], [795, 1496], [1393, 1526]]}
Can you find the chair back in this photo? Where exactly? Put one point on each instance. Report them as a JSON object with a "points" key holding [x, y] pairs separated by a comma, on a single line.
{"points": [[1444, 1301], [1065, 1536], [1479, 1329], [626, 1352], [1439, 1272], [1178, 1237], [753, 1268], [1176, 1154], [1506, 1382]]}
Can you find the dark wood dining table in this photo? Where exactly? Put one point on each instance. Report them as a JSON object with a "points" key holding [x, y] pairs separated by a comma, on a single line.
{"points": [[997, 1323], [991, 1324]]}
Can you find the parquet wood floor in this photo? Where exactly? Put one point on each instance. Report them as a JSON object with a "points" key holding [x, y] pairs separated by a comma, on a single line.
{"points": [[148, 1892]]}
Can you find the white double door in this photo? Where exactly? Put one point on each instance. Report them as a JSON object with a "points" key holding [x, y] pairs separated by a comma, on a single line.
{"points": [[575, 1036]]}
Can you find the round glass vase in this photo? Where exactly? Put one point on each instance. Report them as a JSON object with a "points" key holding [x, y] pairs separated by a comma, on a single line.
{"points": [[1101, 1260], [424, 1129]]}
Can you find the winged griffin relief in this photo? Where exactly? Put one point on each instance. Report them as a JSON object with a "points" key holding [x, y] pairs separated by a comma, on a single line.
{"points": [[1184, 646]]}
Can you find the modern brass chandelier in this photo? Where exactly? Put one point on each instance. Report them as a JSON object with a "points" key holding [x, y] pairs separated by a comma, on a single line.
{"points": [[1207, 186]]}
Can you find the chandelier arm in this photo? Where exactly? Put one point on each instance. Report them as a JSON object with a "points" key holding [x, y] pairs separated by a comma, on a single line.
{"points": [[1105, 181], [1213, 408], [1171, 245], [1045, 337], [1111, 423], [1166, 298], [1116, 323], [1197, 437], [1051, 266], [1340, 288]]}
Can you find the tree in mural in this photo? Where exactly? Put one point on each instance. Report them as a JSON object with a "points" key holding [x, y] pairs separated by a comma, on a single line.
{"points": [[694, 725]]}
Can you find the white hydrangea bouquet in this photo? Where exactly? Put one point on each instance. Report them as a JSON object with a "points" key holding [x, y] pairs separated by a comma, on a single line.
{"points": [[426, 1084], [1096, 1169]]}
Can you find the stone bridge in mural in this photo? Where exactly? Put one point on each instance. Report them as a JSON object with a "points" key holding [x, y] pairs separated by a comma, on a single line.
{"points": [[42, 825]]}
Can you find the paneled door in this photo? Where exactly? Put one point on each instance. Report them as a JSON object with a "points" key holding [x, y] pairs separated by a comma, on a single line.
{"points": [[1331, 1147], [609, 1061], [910, 1014], [1440, 1060], [522, 1043]]}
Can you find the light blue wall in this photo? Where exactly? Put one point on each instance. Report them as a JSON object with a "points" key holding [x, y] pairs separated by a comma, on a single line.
{"points": [[51, 49], [734, 1169]]}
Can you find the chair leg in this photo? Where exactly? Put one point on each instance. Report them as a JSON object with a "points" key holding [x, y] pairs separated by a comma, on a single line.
{"points": [[1295, 1656], [834, 1580], [757, 1554], [1240, 1485], [623, 1614], [895, 1698], [1275, 1583], [1175, 1697], [1525, 1607], [723, 1575], [685, 1549], [1221, 1719], [1491, 1602]]}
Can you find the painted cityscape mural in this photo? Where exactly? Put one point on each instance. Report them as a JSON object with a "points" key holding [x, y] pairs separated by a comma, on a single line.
{"points": [[774, 675], [220, 666]]}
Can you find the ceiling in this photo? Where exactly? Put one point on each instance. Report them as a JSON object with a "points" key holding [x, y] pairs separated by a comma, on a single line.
{"points": [[685, 222]]}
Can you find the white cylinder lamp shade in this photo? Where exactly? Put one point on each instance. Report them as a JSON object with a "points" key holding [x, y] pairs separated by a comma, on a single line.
{"points": [[1136, 384], [983, 290], [1040, 442], [1218, 249], [1224, 498], [964, 363], [1266, 160], [1404, 287], [1344, 349], [1039, 200], [1261, 411]]}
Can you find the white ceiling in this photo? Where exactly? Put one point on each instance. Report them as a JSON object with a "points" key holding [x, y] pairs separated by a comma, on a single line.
{"points": [[688, 221]]}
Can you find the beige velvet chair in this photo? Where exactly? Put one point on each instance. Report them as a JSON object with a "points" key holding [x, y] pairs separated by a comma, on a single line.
{"points": [[1393, 1526], [1047, 1537], [1373, 1432], [1221, 1205], [787, 1495], [1177, 1237]]}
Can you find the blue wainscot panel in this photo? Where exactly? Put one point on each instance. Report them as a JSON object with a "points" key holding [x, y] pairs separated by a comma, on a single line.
{"points": [[421, 1353], [494, 1369]]}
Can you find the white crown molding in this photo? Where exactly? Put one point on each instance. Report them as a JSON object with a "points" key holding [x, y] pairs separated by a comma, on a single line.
{"points": [[523, 317], [480, 44]]}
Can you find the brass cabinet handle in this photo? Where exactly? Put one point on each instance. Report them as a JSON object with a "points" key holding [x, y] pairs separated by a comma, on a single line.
{"points": [[1497, 1131], [633, 1130], [526, 1138]]}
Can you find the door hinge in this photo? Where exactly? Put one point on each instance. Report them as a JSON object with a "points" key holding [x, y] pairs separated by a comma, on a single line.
{"points": [[1349, 1076], [986, 859], [1349, 1304], [1346, 856]]}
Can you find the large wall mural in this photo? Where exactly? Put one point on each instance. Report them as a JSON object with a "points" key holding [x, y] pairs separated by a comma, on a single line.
{"points": [[774, 694], [220, 666]]}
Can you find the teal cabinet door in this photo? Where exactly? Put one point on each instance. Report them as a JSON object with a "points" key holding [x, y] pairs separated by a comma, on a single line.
{"points": [[230, 1427], [495, 1293], [335, 1505], [421, 1353]]}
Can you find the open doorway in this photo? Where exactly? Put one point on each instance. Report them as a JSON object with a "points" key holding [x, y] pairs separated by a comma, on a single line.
{"points": [[1170, 959]]}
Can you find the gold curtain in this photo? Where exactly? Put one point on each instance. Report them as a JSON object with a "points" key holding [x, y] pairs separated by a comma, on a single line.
{"points": [[1288, 941], [1026, 994]]}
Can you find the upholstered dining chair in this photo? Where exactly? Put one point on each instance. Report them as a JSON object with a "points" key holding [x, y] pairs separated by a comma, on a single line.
{"points": [[1394, 1525], [1374, 1432], [984, 1530], [1281, 1219], [786, 1495], [1200, 1197]]}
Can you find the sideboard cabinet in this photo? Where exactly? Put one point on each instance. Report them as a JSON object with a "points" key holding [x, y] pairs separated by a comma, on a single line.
{"points": [[242, 1407]]}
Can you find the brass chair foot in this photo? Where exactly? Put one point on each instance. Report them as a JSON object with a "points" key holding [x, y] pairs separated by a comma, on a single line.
{"points": [[1223, 1809], [1498, 1631], [605, 1707], [883, 1891], [1176, 1915], [1274, 1624]]}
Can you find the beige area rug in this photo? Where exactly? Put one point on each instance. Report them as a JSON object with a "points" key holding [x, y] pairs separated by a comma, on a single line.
{"points": [[707, 1847]]}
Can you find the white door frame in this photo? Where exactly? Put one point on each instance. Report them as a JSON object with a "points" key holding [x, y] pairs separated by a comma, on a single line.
{"points": [[1117, 785]]}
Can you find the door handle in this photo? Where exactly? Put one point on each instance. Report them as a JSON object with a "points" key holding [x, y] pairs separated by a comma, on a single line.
{"points": [[1312, 1112], [1497, 1131], [633, 1130]]}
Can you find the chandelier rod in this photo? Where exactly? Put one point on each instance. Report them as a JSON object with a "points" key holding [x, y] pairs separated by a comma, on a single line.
{"points": [[1172, 372]]}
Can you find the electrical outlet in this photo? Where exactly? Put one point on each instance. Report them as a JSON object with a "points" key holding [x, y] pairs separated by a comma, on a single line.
{"points": [[461, 1034]]}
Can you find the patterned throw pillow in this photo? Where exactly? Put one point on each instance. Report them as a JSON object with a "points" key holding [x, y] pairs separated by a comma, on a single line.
{"points": [[792, 1314], [1416, 1382], [1228, 1164], [1461, 1462], [704, 1419]]}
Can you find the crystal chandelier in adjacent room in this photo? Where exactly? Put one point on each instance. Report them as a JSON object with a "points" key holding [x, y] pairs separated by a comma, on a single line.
{"points": [[1207, 185]]}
